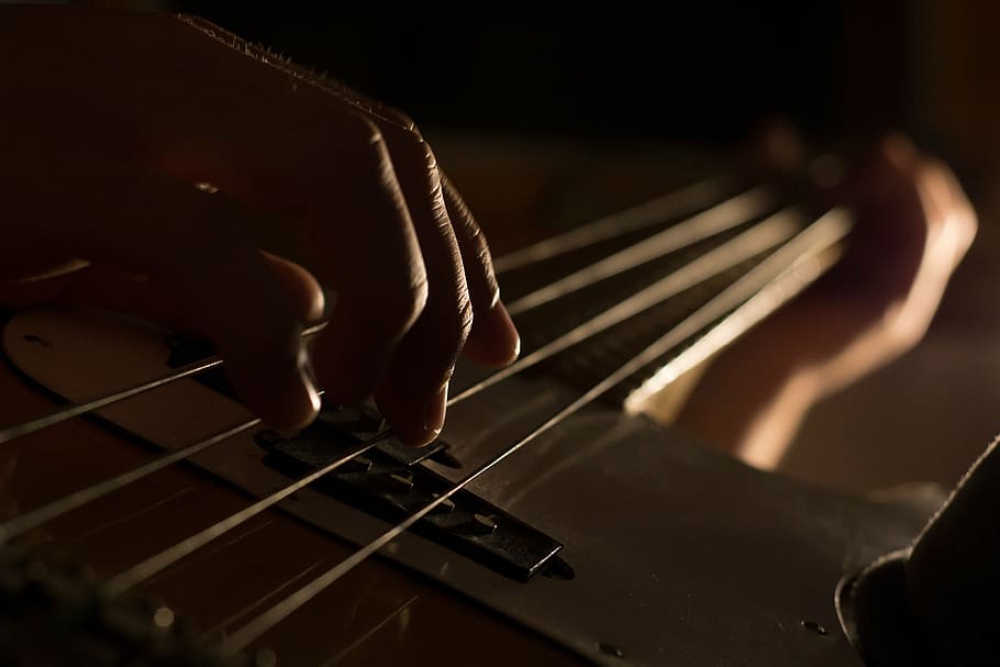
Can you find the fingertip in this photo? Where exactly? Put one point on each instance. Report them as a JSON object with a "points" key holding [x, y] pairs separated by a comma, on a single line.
{"points": [[494, 340], [280, 391], [414, 421]]}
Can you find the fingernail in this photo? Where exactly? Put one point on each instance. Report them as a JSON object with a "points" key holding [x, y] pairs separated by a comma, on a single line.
{"points": [[434, 413]]}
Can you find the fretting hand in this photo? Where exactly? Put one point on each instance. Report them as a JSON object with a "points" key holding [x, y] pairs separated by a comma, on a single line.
{"points": [[914, 226], [110, 119]]}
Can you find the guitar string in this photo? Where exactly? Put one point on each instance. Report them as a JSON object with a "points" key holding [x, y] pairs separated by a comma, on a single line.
{"points": [[167, 557], [767, 233], [751, 289], [60, 415], [64, 414], [34, 518], [632, 219], [715, 220]]}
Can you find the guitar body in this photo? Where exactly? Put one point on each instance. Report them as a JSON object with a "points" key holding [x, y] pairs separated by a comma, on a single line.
{"points": [[680, 555]]}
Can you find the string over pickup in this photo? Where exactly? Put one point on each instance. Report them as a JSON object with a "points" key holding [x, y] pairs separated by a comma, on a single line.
{"points": [[388, 483]]}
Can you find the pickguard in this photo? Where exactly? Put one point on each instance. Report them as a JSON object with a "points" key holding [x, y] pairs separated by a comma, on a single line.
{"points": [[682, 556]]}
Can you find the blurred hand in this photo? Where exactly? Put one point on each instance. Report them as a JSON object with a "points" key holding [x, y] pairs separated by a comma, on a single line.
{"points": [[110, 119], [914, 225]]}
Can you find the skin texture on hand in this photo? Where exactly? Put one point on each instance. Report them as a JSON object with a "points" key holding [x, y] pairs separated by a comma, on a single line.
{"points": [[111, 119], [914, 225]]}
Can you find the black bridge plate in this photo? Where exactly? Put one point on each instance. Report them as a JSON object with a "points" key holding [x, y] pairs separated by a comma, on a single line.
{"points": [[387, 482]]}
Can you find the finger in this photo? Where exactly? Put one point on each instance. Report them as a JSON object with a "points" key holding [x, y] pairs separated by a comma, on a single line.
{"points": [[494, 340], [413, 393], [366, 248], [953, 219], [887, 244], [196, 246]]}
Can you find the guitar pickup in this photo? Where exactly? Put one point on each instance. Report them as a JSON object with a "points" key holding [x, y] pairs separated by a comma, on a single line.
{"points": [[386, 482]]}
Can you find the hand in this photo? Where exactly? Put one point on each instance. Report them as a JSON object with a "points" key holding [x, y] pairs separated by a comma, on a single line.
{"points": [[914, 225], [110, 119]]}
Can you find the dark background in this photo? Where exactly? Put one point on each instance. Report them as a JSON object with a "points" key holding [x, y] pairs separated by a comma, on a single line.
{"points": [[690, 72]]}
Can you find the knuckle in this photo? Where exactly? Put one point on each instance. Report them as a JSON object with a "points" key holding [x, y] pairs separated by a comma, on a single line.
{"points": [[376, 110], [967, 223], [404, 121], [397, 118]]}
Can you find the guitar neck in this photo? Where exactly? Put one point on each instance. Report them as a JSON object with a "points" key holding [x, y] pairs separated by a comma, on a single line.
{"points": [[712, 259]]}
